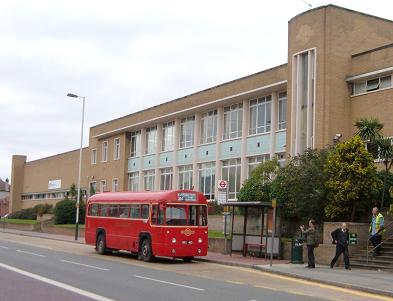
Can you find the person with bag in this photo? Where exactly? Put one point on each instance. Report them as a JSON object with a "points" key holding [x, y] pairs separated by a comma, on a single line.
{"points": [[340, 238], [311, 242]]}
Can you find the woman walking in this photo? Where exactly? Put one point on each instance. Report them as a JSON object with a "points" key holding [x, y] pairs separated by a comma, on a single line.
{"points": [[311, 242]]}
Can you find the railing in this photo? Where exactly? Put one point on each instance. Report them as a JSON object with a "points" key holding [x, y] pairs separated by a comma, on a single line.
{"points": [[390, 225]]}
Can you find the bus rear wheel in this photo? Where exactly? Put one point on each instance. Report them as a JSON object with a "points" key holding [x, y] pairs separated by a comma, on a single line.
{"points": [[101, 244], [146, 252], [187, 259]]}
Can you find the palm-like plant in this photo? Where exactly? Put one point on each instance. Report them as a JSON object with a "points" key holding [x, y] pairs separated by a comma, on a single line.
{"points": [[385, 150], [369, 130]]}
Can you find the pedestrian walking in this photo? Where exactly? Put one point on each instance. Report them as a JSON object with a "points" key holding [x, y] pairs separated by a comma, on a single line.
{"points": [[377, 230], [340, 238], [311, 242]]}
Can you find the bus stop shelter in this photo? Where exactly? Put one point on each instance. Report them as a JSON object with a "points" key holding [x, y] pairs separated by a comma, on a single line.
{"points": [[254, 232]]}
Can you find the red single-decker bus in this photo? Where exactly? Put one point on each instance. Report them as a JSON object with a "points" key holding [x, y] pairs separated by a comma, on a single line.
{"points": [[164, 223]]}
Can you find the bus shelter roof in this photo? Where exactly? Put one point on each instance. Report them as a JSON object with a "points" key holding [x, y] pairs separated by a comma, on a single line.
{"points": [[250, 204]]}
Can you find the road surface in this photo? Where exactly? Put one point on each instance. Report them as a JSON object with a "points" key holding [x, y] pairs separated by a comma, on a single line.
{"points": [[40, 269]]}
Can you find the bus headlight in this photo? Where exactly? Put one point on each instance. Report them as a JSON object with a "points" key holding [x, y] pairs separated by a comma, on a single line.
{"points": [[199, 251], [199, 240], [173, 240]]}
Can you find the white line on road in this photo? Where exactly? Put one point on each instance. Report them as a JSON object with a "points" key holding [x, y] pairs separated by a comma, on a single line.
{"points": [[170, 283], [85, 265], [30, 253], [3, 247], [56, 283]]}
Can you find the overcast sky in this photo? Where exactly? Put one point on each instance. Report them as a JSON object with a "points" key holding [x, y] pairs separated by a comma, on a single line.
{"points": [[125, 56]]}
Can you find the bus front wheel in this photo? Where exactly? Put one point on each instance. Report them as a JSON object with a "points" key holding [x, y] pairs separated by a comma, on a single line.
{"points": [[146, 252], [101, 244]]}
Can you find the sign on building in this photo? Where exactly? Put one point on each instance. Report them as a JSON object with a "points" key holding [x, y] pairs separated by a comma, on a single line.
{"points": [[222, 189], [54, 184]]}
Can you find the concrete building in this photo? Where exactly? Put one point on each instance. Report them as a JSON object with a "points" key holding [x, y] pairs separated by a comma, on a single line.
{"points": [[339, 69], [4, 197]]}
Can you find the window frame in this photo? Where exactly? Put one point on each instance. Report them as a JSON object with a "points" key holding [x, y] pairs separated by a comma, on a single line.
{"points": [[264, 104], [116, 148], [93, 156], [209, 119], [228, 115], [187, 124], [105, 151]]}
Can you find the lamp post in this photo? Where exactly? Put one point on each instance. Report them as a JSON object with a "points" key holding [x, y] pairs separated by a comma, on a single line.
{"points": [[80, 164]]}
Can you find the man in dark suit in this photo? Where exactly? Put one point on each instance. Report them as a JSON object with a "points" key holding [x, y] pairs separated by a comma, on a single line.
{"points": [[340, 238]]}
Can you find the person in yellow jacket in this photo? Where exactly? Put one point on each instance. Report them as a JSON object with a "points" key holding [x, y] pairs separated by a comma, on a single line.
{"points": [[376, 230]]}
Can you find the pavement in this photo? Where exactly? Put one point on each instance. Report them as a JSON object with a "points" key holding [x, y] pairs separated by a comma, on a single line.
{"points": [[371, 281]]}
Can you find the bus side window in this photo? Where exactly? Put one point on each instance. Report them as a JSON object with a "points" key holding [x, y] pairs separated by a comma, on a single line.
{"points": [[145, 211], [161, 220], [135, 211], [124, 211], [93, 210], [104, 210], [114, 211]]}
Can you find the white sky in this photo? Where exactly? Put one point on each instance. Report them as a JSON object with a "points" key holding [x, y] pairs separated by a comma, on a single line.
{"points": [[125, 56]]}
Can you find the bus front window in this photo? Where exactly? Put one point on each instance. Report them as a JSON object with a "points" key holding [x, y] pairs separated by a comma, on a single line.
{"points": [[176, 216]]}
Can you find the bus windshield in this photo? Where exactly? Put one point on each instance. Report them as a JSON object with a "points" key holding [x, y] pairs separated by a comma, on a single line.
{"points": [[186, 215]]}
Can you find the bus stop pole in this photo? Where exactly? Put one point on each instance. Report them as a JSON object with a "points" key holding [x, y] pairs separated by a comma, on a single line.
{"points": [[273, 233]]}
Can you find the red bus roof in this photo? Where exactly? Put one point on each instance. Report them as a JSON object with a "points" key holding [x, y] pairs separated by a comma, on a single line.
{"points": [[168, 196]]}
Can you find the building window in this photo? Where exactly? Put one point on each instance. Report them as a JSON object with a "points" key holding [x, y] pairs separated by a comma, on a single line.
{"points": [[93, 188], [209, 127], [370, 85], [282, 110], [115, 185], [116, 149], [260, 115], [133, 181], [207, 179], [187, 132], [168, 134], [253, 162], [303, 101], [185, 177], [103, 186], [135, 144], [104, 151], [166, 178], [151, 137], [233, 120], [231, 173], [148, 180], [94, 156]]}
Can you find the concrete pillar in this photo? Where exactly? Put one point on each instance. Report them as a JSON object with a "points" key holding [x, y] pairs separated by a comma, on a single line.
{"points": [[176, 143], [243, 154], [274, 124], [142, 154], [220, 132], [195, 157], [158, 151]]}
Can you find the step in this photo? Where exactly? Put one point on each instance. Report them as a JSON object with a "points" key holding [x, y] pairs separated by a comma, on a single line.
{"points": [[380, 261]]}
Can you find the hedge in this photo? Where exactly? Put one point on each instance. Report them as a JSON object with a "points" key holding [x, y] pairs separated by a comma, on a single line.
{"points": [[65, 212]]}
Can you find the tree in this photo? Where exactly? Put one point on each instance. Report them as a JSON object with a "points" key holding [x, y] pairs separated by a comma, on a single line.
{"points": [[258, 186], [300, 186], [352, 180], [385, 151], [369, 130], [73, 192]]}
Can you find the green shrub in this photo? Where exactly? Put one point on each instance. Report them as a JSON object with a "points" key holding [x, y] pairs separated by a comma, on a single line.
{"points": [[65, 212], [24, 214]]}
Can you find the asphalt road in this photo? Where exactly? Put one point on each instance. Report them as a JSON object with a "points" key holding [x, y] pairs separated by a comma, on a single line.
{"points": [[28, 272]]}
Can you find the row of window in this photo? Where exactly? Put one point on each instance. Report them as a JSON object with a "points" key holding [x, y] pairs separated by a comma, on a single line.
{"points": [[207, 176], [260, 122], [104, 153], [44, 196], [119, 211], [370, 85]]}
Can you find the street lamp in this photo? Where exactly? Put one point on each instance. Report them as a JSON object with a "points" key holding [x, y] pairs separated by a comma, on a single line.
{"points": [[80, 164]]}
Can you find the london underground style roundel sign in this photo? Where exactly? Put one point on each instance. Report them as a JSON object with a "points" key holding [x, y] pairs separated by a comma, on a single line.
{"points": [[222, 184]]}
